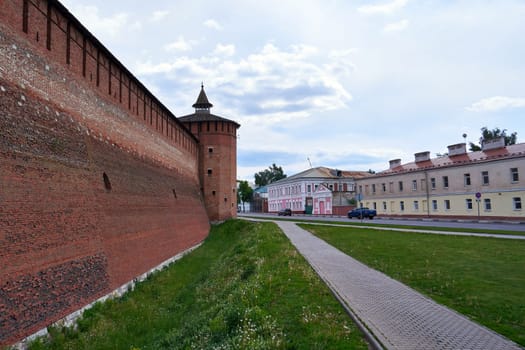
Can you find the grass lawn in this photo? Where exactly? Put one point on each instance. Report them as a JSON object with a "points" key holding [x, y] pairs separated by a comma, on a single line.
{"points": [[482, 278], [373, 224], [246, 287]]}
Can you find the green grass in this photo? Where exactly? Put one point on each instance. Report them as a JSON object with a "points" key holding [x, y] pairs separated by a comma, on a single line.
{"points": [[246, 287], [370, 224], [482, 278]]}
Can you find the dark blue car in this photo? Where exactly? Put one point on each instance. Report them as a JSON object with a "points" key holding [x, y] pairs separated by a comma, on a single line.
{"points": [[362, 213]]}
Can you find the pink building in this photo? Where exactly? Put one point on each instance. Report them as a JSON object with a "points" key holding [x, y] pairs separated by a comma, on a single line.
{"points": [[322, 200], [313, 191]]}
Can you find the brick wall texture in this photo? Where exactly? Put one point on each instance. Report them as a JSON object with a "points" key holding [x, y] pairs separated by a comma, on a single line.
{"points": [[98, 180]]}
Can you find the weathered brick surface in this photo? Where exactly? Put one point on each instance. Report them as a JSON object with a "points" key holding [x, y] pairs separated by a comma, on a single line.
{"points": [[30, 299], [65, 237]]}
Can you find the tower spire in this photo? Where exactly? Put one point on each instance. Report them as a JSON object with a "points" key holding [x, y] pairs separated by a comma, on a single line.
{"points": [[202, 104]]}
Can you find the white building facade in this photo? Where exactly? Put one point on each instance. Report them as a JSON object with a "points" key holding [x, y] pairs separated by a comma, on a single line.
{"points": [[489, 184], [312, 191]]}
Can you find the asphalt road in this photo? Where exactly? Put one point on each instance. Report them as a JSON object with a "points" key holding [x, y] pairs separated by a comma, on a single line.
{"points": [[518, 227]]}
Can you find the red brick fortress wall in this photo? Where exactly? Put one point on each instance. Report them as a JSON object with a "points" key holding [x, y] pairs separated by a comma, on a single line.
{"points": [[98, 180]]}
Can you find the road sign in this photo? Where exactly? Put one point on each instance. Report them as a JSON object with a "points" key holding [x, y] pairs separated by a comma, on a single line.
{"points": [[478, 195]]}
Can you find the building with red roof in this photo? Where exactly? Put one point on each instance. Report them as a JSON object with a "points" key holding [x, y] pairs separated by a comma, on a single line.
{"points": [[488, 184]]}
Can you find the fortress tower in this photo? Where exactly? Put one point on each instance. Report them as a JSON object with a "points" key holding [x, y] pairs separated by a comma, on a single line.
{"points": [[217, 158]]}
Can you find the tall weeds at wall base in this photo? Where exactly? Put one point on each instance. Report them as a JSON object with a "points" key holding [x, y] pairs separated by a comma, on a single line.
{"points": [[245, 288]]}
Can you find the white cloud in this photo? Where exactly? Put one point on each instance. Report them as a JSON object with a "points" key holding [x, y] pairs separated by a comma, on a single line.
{"points": [[101, 26], [191, 67], [272, 83], [159, 15], [396, 26], [496, 103], [212, 24], [386, 8], [180, 44], [224, 50]]}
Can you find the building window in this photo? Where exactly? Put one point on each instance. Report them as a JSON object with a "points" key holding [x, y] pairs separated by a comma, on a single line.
{"points": [[209, 172], [445, 181], [400, 186], [447, 204], [488, 205], [414, 185], [384, 206], [434, 205], [391, 187], [383, 187], [373, 188], [517, 203], [416, 205], [466, 179], [514, 176], [485, 178], [468, 202], [374, 206], [360, 189], [402, 206], [433, 183], [309, 188]]}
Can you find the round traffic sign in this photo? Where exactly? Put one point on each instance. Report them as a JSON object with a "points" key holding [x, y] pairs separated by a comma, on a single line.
{"points": [[478, 195]]}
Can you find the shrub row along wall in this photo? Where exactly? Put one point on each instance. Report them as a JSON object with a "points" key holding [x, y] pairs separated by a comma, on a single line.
{"points": [[93, 191]]}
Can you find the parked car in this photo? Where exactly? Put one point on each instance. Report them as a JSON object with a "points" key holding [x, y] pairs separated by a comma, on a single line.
{"points": [[285, 212], [362, 213]]}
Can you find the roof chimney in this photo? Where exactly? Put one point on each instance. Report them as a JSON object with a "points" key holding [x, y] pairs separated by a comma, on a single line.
{"points": [[493, 144], [422, 156], [394, 163], [457, 149]]}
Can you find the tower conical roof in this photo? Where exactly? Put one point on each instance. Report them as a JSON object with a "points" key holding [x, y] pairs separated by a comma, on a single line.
{"points": [[202, 101], [202, 112]]}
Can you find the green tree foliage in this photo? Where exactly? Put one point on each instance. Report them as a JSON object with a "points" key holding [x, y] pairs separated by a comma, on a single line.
{"points": [[487, 135], [244, 193], [267, 176]]}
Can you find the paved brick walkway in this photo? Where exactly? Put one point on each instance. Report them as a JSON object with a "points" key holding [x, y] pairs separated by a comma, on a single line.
{"points": [[396, 315]]}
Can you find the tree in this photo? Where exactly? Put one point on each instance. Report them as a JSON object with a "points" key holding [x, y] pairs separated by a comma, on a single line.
{"points": [[267, 176], [244, 193], [495, 133]]}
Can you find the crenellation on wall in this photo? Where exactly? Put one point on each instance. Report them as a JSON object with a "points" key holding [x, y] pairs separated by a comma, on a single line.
{"points": [[59, 36], [50, 84]]}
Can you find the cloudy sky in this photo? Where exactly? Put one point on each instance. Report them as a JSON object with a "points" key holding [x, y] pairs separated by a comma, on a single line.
{"points": [[342, 83]]}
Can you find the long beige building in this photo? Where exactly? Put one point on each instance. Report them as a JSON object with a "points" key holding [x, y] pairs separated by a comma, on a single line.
{"points": [[489, 184]]}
